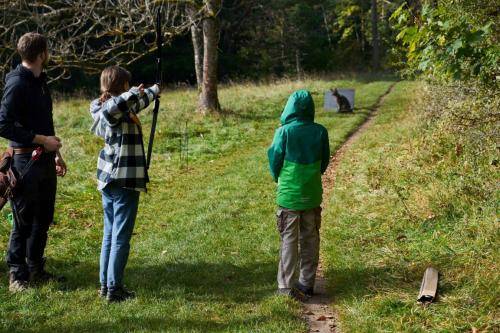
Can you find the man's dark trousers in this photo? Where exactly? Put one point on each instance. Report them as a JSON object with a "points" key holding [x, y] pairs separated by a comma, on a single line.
{"points": [[33, 210]]}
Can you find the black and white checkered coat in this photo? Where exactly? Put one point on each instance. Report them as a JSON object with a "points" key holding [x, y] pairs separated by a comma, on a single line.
{"points": [[122, 160]]}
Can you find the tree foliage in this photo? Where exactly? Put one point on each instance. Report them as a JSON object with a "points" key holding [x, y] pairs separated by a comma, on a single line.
{"points": [[451, 39], [283, 37]]}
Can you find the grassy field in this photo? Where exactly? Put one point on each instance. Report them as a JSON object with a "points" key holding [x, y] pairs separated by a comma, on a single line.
{"points": [[204, 251], [407, 196]]}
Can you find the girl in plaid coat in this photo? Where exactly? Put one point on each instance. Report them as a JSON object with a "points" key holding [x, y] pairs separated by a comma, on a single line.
{"points": [[121, 171]]}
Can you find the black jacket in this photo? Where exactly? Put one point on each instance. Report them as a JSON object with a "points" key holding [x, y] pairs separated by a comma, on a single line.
{"points": [[26, 108]]}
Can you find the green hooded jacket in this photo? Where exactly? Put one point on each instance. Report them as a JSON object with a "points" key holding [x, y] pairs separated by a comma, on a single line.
{"points": [[299, 154]]}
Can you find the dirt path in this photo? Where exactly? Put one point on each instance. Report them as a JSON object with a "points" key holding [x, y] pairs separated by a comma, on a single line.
{"points": [[318, 313]]}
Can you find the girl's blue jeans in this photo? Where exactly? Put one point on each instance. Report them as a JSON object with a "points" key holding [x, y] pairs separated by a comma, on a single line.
{"points": [[120, 210]]}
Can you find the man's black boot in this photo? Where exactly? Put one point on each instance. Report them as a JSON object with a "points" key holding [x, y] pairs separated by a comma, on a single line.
{"points": [[119, 294], [16, 285]]}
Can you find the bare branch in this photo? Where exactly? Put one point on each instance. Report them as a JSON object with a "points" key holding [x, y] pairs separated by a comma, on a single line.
{"points": [[90, 34]]}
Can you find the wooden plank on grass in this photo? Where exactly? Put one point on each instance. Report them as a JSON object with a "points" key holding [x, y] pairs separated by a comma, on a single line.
{"points": [[428, 289]]}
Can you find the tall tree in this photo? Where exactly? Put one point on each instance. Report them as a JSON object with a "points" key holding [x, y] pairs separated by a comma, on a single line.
{"points": [[205, 31], [375, 37], [197, 41], [209, 100]]}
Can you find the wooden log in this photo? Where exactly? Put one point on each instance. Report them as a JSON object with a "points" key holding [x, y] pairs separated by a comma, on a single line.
{"points": [[428, 289]]}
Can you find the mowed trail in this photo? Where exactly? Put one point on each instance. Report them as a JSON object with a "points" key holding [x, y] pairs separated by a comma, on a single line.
{"points": [[318, 312]]}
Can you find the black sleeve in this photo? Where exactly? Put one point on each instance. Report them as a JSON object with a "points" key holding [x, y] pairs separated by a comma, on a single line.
{"points": [[10, 128]]}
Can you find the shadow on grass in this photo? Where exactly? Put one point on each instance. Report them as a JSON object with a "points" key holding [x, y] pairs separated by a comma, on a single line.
{"points": [[241, 284], [164, 323], [223, 286], [224, 280], [355, 283]]}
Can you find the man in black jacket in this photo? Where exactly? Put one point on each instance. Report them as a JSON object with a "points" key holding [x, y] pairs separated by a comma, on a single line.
{"points": [[26, 120]]}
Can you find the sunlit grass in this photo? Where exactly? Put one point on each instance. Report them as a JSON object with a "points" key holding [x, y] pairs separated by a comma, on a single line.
{"points": [[403, 202], [204, 250]]}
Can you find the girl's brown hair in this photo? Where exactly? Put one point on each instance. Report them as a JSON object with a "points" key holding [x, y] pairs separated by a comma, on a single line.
{"points": [[113, 80]]}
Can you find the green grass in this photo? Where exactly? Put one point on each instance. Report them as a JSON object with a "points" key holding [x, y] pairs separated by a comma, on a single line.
{"points": [[204, 251], [405, 199]]}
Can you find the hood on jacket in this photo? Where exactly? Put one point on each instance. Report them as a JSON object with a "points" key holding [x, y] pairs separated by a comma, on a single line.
{"points": [[22, 72], [300, 106]]}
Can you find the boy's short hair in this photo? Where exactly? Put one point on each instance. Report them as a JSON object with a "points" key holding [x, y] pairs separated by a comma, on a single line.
{"points": [[30, 45]]}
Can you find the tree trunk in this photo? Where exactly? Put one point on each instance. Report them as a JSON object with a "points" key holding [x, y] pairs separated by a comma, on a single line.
{"points": [[327, 26], [386, 16], [375, 37], [197, 40], [415, 7], [209, 100], [298, 66]]}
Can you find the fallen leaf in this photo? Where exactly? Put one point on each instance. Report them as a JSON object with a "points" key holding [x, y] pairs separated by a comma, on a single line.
{"points": [[458, 149]]}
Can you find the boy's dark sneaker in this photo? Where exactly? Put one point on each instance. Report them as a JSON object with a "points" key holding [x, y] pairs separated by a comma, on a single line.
{"points": [[103, 291], [16, 285], [284, 291], [292, 293], [119, 294], [307, 291]]}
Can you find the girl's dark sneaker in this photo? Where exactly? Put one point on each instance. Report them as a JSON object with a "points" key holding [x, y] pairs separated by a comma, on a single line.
{"points": [[119, 294], [307, 291], [103, 291]]}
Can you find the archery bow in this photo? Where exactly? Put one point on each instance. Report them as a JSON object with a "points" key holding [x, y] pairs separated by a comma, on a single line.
{"points": [[158, 81]]}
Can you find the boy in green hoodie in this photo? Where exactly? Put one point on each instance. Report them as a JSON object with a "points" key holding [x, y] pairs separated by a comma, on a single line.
{"points": [[298, 156]]}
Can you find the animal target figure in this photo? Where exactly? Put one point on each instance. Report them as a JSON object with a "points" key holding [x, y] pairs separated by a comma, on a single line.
{"points": [[342, 101]]}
